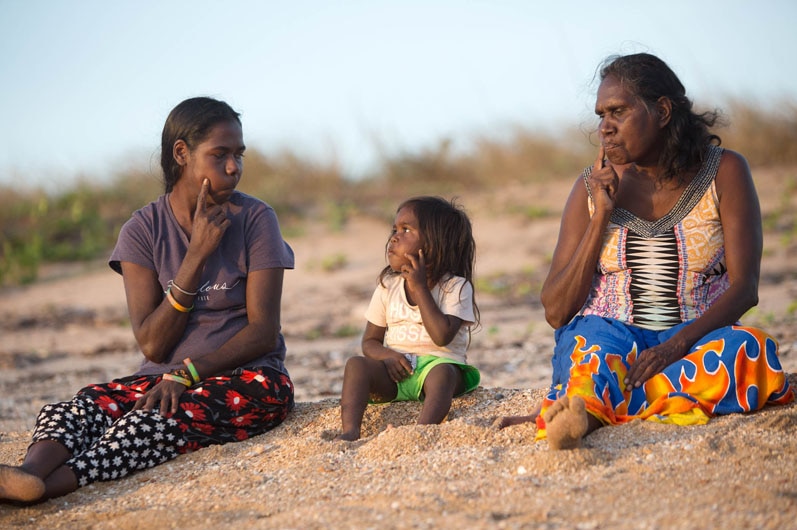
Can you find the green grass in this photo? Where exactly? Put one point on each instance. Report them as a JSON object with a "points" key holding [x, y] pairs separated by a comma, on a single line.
{"points": [[518, 286], [334, 262]]}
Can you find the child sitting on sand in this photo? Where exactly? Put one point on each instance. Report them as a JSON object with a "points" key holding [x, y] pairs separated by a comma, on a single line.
{"points": [[419, 318]]}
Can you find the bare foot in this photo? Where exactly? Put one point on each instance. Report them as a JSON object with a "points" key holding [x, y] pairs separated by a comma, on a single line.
{"points": [[330, 435], [566, 423], [347, 437], [18, 485]]}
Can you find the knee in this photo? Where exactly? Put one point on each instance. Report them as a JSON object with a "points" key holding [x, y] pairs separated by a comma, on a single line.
{"points": [[448, 371], [356, 364], [443, 376], [361, 369]]}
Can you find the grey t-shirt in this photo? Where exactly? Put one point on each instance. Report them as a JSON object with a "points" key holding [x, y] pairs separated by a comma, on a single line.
{"points": [[152, 238]]}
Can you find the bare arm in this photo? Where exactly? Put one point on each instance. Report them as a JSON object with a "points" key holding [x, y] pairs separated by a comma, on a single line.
{"points": [[261, 333], [157, 325], [441, 328], [259, 336], [741, 226], [398, 367], [577, 251]]}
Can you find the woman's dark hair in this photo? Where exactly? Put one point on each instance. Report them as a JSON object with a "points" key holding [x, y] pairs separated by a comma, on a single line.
{"points": [[687, 134], [446, 239], [191, 122]]}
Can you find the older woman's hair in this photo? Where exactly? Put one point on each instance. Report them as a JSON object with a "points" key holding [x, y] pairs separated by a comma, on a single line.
{"points": [[687, 135]]}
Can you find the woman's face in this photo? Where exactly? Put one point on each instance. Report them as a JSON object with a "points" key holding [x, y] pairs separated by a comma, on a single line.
{"points": [[629, 130], [219, 159]]}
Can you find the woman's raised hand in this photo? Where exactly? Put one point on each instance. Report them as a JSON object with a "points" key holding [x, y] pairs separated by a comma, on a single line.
{"points": [[209, 225], [603, 182]]}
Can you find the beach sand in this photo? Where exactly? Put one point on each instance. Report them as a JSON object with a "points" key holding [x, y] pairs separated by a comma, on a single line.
{"points": [[70, 329]]}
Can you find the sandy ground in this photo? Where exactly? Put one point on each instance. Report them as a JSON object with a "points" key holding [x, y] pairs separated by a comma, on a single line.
{"points": [[740, 471]]}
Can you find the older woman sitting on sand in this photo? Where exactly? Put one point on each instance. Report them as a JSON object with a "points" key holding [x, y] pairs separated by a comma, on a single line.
{"points": [[657, 259]]}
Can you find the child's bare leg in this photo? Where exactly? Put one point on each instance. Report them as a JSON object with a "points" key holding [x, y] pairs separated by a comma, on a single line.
{"points": [[443, 382], [41, 476], [362, 378], [567, 422]]}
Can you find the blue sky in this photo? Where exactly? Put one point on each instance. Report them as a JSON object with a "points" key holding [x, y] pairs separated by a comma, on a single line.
{"points": [[87, 84]]}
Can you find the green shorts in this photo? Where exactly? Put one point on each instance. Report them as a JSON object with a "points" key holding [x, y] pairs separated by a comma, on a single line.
{"points": [[410, 388]]}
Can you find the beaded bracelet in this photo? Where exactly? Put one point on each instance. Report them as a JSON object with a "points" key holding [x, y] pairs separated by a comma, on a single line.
{"points": [[192, 369], [177, 379], [187, 293], [175, 304]]}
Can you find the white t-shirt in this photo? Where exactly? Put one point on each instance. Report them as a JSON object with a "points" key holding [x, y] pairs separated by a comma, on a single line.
{"points": [[405, 331]]}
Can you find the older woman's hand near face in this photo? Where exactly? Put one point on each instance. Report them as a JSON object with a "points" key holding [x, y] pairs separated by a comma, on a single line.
{"points": [[603, 182]]}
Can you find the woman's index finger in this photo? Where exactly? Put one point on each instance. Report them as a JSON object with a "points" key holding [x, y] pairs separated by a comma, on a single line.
{"points": [[599, 160], [201, 199]]}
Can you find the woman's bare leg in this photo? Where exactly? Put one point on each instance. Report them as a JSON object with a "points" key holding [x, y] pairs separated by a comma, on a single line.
{"points": [[508, 421], [41, 476], [18, 485]]}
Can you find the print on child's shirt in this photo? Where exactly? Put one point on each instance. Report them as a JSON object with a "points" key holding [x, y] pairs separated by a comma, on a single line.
{"points": [[410, 329]]}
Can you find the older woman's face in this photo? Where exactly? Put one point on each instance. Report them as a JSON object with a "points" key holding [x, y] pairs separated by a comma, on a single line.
{"points": [[629, 131]]}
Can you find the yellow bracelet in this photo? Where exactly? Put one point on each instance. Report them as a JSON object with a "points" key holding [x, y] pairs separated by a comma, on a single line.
{"points": [[192, 369], [175, 304], [177, 379]]}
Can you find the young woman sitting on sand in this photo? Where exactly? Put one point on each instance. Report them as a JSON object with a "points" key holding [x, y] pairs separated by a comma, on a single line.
{"points": [[202, 269]]}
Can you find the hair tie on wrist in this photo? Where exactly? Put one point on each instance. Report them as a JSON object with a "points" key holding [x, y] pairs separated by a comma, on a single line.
{"points": [[187, 293], [192, 370], [177, 379]]}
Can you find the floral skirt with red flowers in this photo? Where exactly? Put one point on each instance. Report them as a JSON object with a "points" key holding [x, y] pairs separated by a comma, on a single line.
{"points": [[109, 440]]}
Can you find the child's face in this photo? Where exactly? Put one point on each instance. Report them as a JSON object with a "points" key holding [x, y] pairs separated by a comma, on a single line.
{"points": [[405, 239]]}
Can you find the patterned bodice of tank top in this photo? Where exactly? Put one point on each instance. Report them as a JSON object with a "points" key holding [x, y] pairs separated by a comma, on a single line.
{"points": [[656, 274]]}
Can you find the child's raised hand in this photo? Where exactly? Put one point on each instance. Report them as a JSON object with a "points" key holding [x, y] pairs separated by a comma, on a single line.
{"points": [[414, 273]]}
